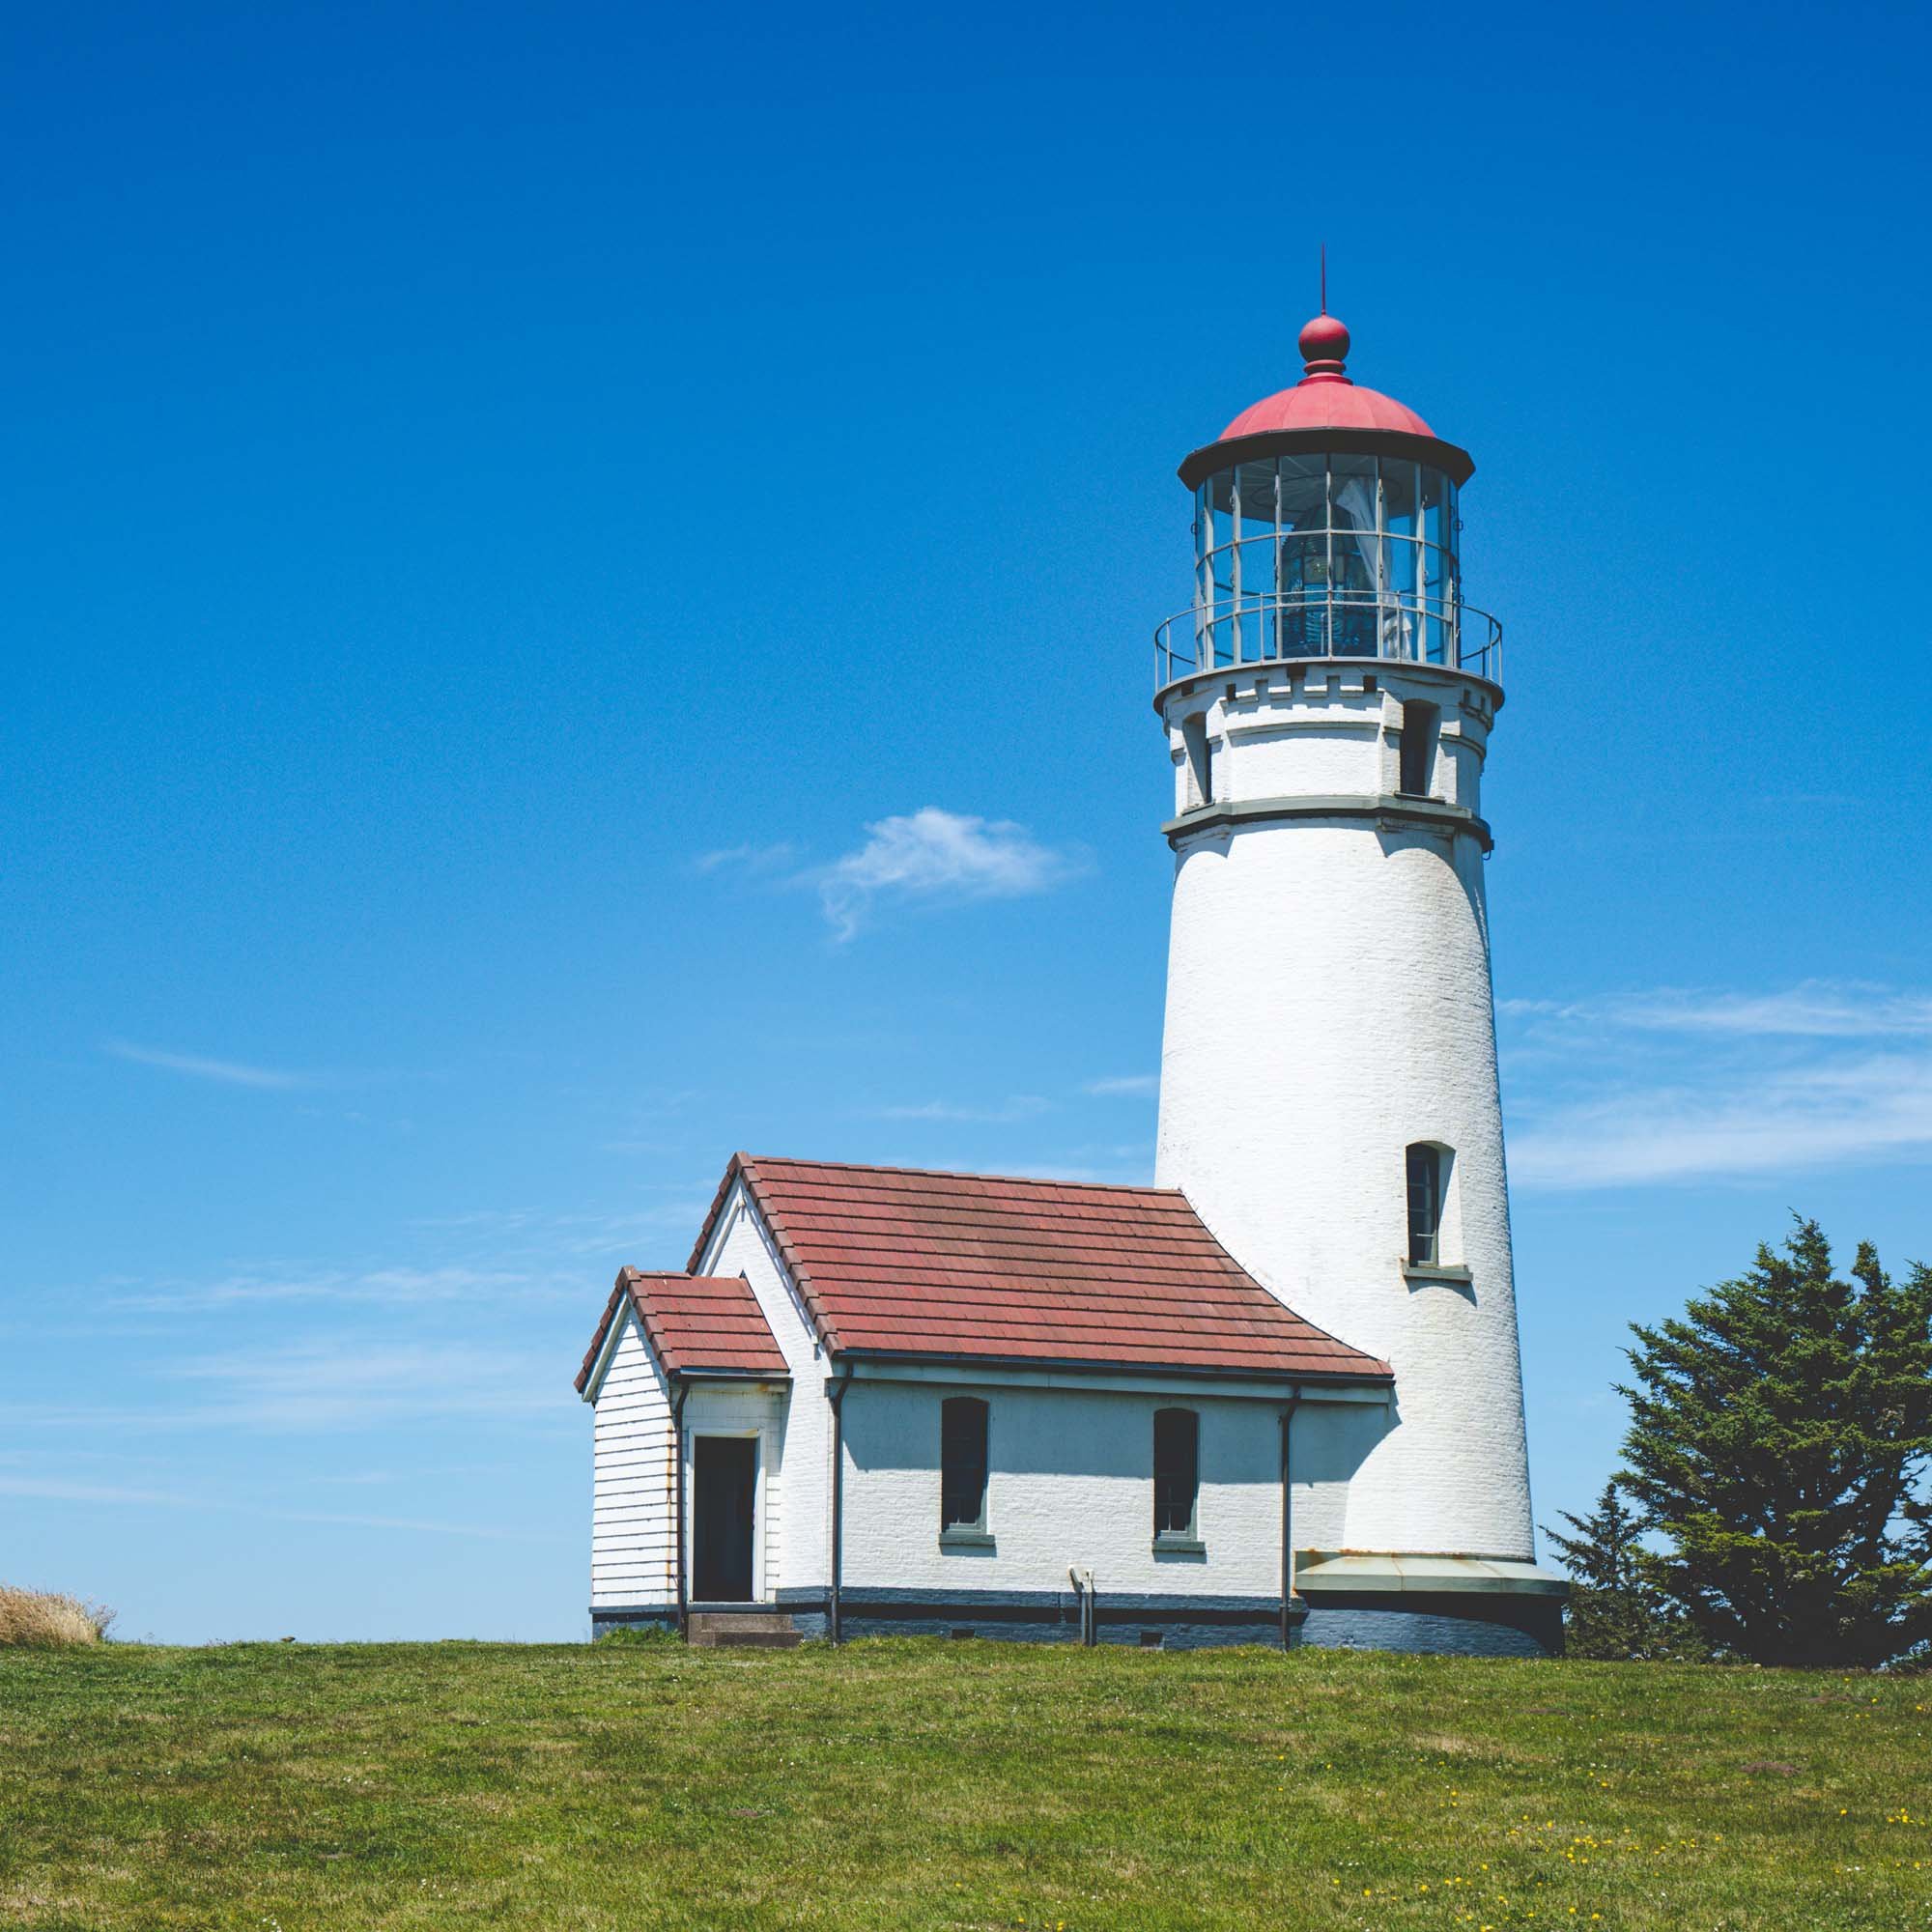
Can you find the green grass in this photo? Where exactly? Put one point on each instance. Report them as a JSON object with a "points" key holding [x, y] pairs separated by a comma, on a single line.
{"points": [[923, 1784]]}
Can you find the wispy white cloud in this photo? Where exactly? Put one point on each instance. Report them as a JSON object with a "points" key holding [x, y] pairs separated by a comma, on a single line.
{"points": [[348, 1380], [1876, 1108], [391, 1286], [60, 1490], [1814, 1009], [935, 857], [196, 1067], [500, 1258], [353, 1381], [55, 1489], [1675, 1085], [748, 858], [1021, 1107], [1126, 1086]]}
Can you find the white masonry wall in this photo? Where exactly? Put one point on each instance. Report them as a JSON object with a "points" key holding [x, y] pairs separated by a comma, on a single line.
{"points": [[633, 1504], [1071, 1482], [740, 1246], [1328, 1002]]}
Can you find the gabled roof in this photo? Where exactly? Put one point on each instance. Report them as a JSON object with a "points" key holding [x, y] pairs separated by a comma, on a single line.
{"points": [[900, 1261], [696, 1324]]}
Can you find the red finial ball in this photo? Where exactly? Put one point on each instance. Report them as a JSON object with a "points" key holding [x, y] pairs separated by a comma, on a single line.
{"points": [[1325, 346]]}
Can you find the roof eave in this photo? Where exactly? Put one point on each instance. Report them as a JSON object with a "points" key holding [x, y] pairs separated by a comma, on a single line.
{"points": [[1379, 1374], [729, 1375], [593, 1360], [1349, 440]]}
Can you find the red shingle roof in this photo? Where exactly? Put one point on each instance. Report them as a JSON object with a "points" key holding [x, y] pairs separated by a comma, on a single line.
{"points": [[898, 1261], [696, 1324]]}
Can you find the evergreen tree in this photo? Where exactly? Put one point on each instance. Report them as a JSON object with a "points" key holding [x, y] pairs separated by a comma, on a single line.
{"points": [[1615, 1610], [1780, 1436]]}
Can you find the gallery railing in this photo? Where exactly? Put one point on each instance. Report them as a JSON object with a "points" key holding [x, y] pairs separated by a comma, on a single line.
{"points": [[1262, 629]]}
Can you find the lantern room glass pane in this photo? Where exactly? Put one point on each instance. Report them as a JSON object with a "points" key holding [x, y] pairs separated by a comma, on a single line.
{"points": [[1257, 487], [1436, 508], [1257, 566], [1304, 493], [1437, 574], [1399, 564], [1354, 563], [1399, 498]]}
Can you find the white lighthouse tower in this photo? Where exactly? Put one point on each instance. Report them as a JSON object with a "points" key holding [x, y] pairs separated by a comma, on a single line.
{"points": [[1329, 1097]]}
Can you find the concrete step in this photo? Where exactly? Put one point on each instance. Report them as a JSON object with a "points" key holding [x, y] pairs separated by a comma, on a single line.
{"points": [[761, 1629]]}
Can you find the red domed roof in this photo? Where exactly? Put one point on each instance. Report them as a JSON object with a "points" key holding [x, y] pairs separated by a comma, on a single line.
{"points": [[1326, 398], [1326, 411]]}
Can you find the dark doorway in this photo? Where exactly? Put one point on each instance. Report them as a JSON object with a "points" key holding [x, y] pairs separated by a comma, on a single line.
{"points": [[724, 1478]]}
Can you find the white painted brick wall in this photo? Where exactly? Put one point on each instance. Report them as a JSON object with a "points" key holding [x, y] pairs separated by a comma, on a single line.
{"points": [[740, 1245], [1071, 1482]]}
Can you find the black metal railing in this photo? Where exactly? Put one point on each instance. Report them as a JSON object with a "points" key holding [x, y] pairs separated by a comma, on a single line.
{"points": [[1267, 628]]}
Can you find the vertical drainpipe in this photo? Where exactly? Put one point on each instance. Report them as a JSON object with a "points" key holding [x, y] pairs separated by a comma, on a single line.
{"points": [[834, 1394], [1288, 1518], [682, 1389]]}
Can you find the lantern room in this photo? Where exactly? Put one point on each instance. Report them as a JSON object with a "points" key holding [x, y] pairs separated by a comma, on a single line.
{"points": [[1326, 526]]}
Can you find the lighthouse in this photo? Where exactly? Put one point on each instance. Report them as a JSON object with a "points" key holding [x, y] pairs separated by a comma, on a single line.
{"points": [[1328, 1097], [1274, 1397]]}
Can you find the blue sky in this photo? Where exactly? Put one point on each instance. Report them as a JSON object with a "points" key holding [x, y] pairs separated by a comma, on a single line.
{"points": [[580, 586]]}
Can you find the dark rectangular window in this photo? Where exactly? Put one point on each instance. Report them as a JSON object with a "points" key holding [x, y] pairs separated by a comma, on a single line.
{"points": [[1425, 1205], [962, 1462], [1419, 726], [1177, 1470], [1199, 757]]}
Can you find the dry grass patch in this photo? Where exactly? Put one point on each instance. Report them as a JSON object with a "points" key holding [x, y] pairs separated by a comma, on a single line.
{"points": [[46, 1620]]}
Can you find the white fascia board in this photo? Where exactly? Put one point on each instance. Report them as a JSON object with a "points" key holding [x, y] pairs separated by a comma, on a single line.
{"points": [[1004, 1375], [601, 1367]]}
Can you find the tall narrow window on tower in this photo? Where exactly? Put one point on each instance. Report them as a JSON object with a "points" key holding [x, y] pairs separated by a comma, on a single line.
{"points": [[1177, 1472], [1199, 757], [1426, 1164], [962, 1463], [1420, 723]]}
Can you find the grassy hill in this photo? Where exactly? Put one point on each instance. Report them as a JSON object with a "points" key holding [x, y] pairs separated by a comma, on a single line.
{"points": [[924, 1784]]}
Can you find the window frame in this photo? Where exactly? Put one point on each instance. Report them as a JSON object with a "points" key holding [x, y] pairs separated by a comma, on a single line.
{"points": [[1430, 1158]]}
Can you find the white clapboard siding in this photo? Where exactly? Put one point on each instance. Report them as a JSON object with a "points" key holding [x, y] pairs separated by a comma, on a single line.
{"points": [[633, 1506]]}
